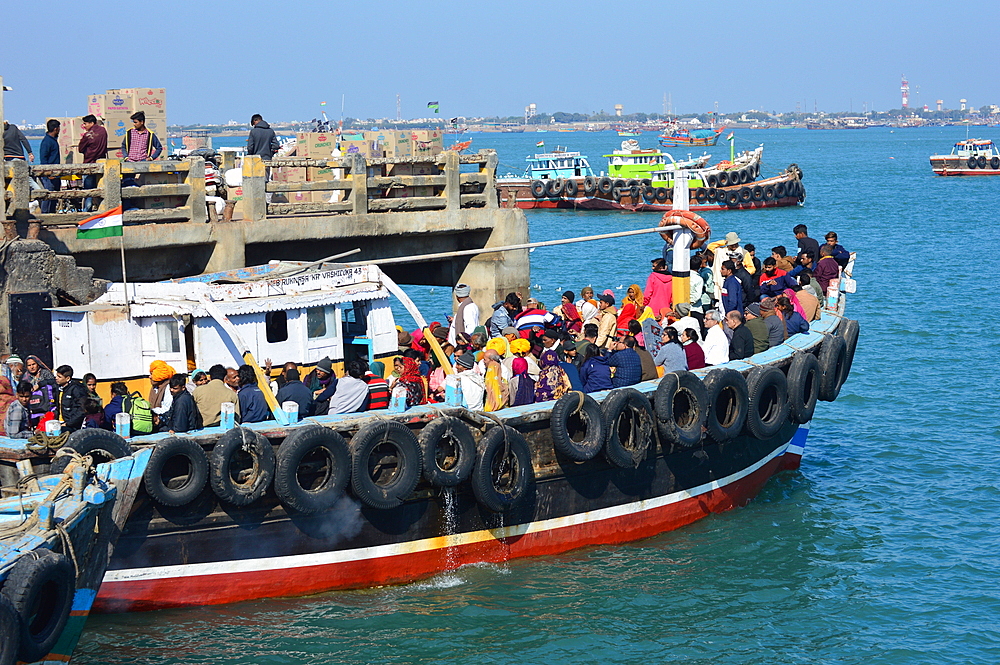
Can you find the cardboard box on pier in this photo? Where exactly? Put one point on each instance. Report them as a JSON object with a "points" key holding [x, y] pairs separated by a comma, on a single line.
{"points": [[314, 145], [149, 100]]}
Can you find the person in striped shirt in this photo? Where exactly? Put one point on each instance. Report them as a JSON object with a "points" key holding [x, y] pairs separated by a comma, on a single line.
{"points": [[378, 387]]}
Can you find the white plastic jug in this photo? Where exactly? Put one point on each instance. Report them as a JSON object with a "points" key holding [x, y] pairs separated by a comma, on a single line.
{"points": [[291, 410], [228, 415], [123, 424]]}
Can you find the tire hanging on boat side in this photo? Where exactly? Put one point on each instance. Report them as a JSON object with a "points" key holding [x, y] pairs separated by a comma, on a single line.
{"points": [[504, 472], [630, 423], [832, 363], [803, 387], [590, 185], [768, 411], [723, 179], [681, 403], [101, 444], [320, 457], [554, 187], [779, 190], [733, 197], [648, 194], [662, 195], [577, 426], [538, 189], [981, 161], [184, 481], [570, 188], [849, 332], [728, 402], [712, 180], [448, 450], [10, 631], [769, 193], [40, 587], [246, 488], [701, 195], [995, 163], [385, 463], [604, 185]]}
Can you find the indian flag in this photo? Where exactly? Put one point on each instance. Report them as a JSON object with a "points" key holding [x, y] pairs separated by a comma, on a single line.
{"points": [[540, 144], [107, 224]]}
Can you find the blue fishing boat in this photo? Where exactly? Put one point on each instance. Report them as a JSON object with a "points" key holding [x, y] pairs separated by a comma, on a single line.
{"points": [[57, 532], [679, 137], [558, 164]]}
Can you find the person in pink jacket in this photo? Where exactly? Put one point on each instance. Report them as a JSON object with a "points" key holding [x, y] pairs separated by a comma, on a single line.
{"points": [[659, 287]]}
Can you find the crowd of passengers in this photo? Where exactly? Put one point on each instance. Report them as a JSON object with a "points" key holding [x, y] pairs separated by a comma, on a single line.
{"points": [[523, 354]]}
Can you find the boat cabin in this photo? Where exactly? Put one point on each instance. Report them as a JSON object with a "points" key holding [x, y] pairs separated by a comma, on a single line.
{"points": [[558, 164], [631, 161], [281, 311], [975, 148]]}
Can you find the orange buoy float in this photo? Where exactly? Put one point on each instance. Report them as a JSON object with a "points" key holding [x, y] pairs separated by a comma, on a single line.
{"points": [[689, 220]]}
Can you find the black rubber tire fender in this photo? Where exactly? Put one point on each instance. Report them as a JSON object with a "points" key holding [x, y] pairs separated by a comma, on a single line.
{"points": [[573, 413], [632, 182], [590, 185], [746, 194], [366, 465], [616, 193], [604, 186], [554, 187], [981, 161], [101, 444], [710, 194], [733, 197], [995, 163], [745, 176], [10, 630], [500, 481], [296, 449], [570, 188], [728, 403], [538, 189], [803, 387], [769, 193], [712, 180], [648, 194], [681, 402], [971, 162], [757, 192], [630, 425], [448, 450], [701, 195], [162, 458], [832, 365], [620, 184], [724, 179], [779, 190], [40, 586], [849, 331], [768, 410], [646, 182], [633, 193], [662, 195], [234, 441]]}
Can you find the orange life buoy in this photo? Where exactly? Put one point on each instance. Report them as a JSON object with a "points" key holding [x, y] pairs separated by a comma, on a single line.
{"points": [[689, 220]]}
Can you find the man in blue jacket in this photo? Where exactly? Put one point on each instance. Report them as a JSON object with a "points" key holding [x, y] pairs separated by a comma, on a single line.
{"points": [[48, 153], [732, 288]]}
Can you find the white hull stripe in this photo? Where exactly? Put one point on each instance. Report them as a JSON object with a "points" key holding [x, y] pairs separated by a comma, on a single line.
{"points": [[239, 566]]}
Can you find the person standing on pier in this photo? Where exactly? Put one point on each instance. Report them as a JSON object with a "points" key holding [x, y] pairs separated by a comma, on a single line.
{"points": [[48, 153], [140, 144], [15, 145], [93, 146], [262, 140]]}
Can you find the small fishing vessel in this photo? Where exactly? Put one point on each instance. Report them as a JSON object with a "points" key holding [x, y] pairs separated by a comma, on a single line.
{"points": [[968, 157], [58, 526], [681, 137]]}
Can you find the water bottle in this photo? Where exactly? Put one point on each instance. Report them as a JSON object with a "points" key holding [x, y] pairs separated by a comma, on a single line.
{"points": [[228, 415], [291, 410], [123, 424], [397, 404]]}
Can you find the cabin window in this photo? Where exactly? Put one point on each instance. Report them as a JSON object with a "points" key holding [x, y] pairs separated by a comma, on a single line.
{"points": [[168, 339], [355, 323], [276, 326], [321, 322]]}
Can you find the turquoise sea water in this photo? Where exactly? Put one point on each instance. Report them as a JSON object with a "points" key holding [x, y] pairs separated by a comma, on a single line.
{"points": [[881, 549]]}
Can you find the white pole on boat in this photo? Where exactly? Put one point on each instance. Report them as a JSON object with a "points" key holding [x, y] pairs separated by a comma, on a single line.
{"points": [[680, 267]]}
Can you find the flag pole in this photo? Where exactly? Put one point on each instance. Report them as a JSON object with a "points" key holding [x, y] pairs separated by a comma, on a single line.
{"points": [[128, 308]]}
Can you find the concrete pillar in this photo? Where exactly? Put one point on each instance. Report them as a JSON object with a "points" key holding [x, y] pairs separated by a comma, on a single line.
{"points": [[452, 181], [493, 276], [196, 180], [359, 179], [229, 249], [111, 183], [254, 193]]}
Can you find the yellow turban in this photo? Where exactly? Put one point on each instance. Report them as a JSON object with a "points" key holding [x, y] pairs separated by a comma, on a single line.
{"points": [[520, 345], [498, 344], [160, 371]]}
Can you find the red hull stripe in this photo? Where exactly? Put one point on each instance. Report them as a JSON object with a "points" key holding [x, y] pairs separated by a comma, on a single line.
{"points": [[245, 579]]}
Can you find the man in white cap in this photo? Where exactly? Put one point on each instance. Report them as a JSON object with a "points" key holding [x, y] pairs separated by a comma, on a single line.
{"points": [[13, 369], [728, 250], [466, 316]]}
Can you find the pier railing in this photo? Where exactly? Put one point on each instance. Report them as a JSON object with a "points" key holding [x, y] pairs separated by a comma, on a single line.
{"points": [[165, 190], [174, 190]]}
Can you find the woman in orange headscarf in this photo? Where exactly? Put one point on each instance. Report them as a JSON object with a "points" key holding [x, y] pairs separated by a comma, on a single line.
{"points": [[631, 307]]}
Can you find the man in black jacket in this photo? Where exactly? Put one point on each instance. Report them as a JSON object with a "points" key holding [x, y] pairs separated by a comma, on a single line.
{"points": [[183, 415], [262, 140], [70, 394], [741, 345]]}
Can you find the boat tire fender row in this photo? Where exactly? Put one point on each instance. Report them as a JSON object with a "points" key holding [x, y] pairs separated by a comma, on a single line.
{"points": [[10, 629], [971, 162], [728, 403], [377, 482], [504, 473], [681, 402], [590, 185], [769, 193], [712, 180], [321, 453], [757, 193], [40, 589], [779, 190], [995, 163], [449, 451], [101, 444], [981, 161], [249, 484], [723, 179], [832, 365], [570, 188], [733, 197], [803, 387], [662, 194], [648, 194], [538, 189], [701, 195], [746, 194], [604, 185], [169, 483], [850, 332], [768, 390], [630, 421], [554, 187], [577, 426]]}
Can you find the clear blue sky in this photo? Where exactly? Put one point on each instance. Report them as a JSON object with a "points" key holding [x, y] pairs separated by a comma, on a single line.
{"points": [[225, 60]]}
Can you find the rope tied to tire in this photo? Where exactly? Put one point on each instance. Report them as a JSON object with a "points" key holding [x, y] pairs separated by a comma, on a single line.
{"points": [[44, 443]]}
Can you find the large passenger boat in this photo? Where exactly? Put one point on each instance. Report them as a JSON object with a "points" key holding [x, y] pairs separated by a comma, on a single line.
{"points": [[968, 157], [345, 501]]}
